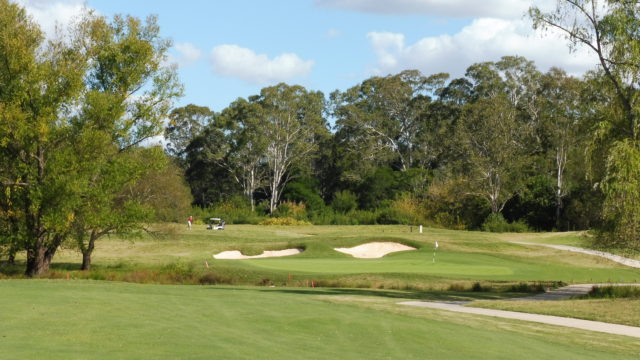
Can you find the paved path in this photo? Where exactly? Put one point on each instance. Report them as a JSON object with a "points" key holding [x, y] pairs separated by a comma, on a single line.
{"points": [[612, 257], [545, 319]]}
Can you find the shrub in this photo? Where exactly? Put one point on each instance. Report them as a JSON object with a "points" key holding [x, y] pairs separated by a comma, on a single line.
{"points": [[287, 221], [614, 292], [524, 287], [304, 191], [497, 223], [235, 210], [344, 201], [291, 209]]}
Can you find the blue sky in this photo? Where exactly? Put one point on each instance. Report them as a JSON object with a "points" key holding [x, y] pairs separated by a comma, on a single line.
{"points": [[230, 49]]}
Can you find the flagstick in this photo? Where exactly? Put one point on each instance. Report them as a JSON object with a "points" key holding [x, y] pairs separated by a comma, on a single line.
{"points": [[434, 251]]}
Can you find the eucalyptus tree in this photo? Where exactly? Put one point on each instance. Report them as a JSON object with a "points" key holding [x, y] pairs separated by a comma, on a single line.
{"points": [[383, 114], [185, 123], [489, 137], [609, 30], [243, 146], [562, 122], [290, 119]]}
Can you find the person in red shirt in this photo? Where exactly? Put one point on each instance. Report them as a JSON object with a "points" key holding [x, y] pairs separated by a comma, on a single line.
{"points": [[190, 221]]}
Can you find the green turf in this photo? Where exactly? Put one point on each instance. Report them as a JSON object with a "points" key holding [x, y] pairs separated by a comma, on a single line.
{"points": [[462, 255], [93, 320], [454, 265]]}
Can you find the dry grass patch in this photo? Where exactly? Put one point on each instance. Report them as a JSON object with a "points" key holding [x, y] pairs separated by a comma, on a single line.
{"points": [[617, 311]]}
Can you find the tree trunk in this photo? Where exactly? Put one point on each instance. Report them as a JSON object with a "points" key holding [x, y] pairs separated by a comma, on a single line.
{"points": [[558, 209], [38, 260], [86, 261], [87, 251]]}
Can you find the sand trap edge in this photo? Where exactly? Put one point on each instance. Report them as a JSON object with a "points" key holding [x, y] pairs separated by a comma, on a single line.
{"points": [[374, 250], [237, 255]]}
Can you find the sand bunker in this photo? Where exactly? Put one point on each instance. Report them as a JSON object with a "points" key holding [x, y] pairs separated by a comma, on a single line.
{"points": [[374, 250], [237, 255]]}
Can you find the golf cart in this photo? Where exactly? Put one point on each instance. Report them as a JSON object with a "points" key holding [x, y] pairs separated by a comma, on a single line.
{"points": [[215, 224]]}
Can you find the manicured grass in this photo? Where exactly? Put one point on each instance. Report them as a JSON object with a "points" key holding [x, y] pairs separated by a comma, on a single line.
{"points": [[102, 320], [618, 311]]}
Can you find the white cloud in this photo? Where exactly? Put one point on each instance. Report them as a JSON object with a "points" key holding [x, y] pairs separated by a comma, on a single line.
{"points": [[187, 54], [485, 39], [449, 8], [48, 14], [242, 63]]}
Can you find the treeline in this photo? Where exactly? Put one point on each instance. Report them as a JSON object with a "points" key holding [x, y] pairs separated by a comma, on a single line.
{"points": [[504, 147], [504, 142]]}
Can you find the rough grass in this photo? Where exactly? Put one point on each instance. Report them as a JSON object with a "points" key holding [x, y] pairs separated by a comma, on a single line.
{"points": [[97, 320], [617, 311]]}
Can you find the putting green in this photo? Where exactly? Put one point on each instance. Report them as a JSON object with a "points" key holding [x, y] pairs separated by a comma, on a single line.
{"points": [[450, 265]]}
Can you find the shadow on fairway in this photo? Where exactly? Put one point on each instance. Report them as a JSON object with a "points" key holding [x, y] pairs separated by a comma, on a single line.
{"points": [[398, 294]]}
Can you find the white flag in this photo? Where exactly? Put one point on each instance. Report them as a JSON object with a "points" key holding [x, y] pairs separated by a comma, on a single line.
{"points": [[436, 244]]}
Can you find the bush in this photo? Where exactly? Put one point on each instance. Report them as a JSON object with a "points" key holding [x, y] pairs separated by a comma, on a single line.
{"points": [[236, 210], [286, 221], [344, 201], [614, 292], [497, 223], [291, 209], [304, 191]]}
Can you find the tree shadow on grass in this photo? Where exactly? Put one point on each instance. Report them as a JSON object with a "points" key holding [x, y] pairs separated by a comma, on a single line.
{"points": [[400, 294]]}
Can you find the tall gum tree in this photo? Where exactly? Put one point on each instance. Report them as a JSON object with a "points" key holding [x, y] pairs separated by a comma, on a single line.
{"points": [[489, 138], [385, 114], [243, 146], [290, 118]]}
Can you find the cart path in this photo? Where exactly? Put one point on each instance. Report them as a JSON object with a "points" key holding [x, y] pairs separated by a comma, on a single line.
{"points": [[545, 319], [617, 258]]}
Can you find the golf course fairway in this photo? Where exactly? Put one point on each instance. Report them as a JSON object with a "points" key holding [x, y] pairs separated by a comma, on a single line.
{"points": [[102, 320]]}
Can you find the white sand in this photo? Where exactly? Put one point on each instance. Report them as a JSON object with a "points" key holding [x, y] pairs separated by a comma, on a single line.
{"points": [[374, 250], [237, 255]]}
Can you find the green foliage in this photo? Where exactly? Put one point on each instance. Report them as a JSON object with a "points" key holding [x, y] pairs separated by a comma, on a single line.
{"points": [[304, 191], [448, 205], [344, 201], [536, 203], [185, 124], [166, 193], [614, 292], [497, 223], [74, 111], [622, 203], [383, 184], [283, 221], [236, 210], [290, 209]]}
